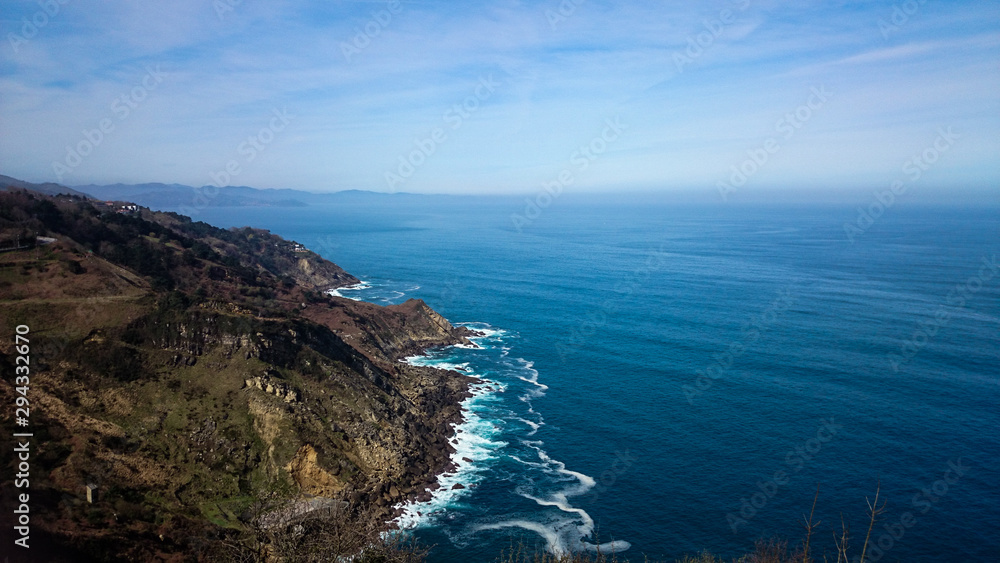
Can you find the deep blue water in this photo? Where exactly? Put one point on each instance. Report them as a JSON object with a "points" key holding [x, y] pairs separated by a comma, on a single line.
{"points": [[823, 362]]}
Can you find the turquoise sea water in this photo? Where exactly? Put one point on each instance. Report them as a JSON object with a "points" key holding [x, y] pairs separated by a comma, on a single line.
{"points": [[662, 379]]}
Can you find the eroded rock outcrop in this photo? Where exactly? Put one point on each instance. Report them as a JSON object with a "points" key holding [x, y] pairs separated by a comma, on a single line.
{"points": [[310, 476]]}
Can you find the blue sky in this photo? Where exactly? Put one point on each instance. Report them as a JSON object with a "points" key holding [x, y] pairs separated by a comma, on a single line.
{"points": [[327, 96]]}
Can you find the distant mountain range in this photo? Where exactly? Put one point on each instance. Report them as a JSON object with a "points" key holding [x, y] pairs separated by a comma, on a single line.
{"points": [[159, 196], [48, 188], [177, 196]]}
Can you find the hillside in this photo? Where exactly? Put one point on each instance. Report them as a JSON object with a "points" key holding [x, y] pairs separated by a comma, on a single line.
{"points": [[48, 188], [189, 371]]}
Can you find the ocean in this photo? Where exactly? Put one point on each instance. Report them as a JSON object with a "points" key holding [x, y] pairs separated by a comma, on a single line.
{"points": [[661, 378]]}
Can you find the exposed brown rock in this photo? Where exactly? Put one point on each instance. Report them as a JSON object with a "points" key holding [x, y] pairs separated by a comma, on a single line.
{"points": [[311, 478]]}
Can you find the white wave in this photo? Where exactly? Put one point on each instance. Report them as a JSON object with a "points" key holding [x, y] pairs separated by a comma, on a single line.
{"points": [[473, 440], [562, 535], [534, 425], [586, 481], [532, 394], [463, 367], [474, 443], [569, 533], [427, 361], [356, 287], [532, 378], [558, 500], [553, 540], [526, 462], [616, 546], [548, 484], [486, 330]]}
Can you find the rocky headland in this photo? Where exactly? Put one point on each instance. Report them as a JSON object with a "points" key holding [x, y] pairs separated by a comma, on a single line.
{"points": [[191, 376]]}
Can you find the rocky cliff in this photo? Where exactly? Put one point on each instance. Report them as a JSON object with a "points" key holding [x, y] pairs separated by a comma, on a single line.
{"points": [[188, 372]]}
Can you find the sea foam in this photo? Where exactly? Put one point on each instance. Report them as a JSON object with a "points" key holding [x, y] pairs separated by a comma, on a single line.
{"points": [[475, 444], [356, 287], [485, 437]]}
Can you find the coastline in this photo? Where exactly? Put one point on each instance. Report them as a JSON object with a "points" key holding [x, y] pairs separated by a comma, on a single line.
{"points": [[483, 442], [469, 443], [432, 484], [311, 382], [446, 391]]}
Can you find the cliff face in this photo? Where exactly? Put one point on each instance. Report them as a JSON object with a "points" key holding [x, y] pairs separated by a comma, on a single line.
{"points": [[260, 250], [189, 371]]}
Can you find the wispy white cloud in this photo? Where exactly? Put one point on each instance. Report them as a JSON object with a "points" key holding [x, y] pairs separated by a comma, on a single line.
{"points": [[559, 79]]}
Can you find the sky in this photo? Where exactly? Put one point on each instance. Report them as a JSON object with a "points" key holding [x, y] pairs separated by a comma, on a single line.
{"points": [[503, 97]]}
